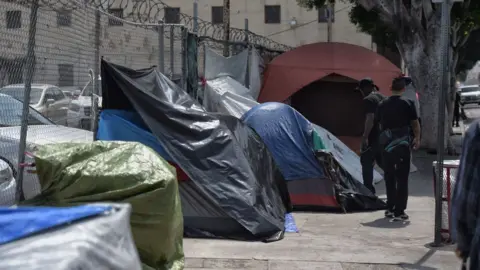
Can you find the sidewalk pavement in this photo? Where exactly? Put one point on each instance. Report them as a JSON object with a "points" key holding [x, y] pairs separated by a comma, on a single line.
{"points": [[340, 241]]}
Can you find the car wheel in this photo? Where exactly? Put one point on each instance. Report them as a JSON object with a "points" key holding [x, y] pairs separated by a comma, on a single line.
{"points": [[14, 170]]}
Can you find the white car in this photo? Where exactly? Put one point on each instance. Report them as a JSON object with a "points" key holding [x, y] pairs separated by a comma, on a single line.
{"points": [[80, 110], [469, 94], [47, 99], [40, 131]]}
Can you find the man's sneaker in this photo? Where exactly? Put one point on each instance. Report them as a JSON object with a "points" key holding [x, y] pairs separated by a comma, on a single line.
{"points": [[401, 217], [388, 214]]}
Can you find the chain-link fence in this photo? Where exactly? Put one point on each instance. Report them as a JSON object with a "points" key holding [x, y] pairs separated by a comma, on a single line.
{"points": [[50, 84], [443, 218]]}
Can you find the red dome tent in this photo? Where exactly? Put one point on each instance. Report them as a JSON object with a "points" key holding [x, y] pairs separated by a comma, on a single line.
{"points": [[326, 74]]}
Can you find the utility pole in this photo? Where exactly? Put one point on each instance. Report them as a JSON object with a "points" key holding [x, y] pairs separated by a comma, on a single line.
{"points": [[444, 87], [329, 12], [226, 27], [195, 17]]}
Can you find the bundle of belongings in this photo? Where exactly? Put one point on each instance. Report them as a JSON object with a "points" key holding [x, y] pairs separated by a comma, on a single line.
{"points": [[92, 236]]}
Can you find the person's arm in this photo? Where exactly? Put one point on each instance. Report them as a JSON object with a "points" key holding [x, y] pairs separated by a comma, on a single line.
{"points": [[369, 118], [415, 125]]}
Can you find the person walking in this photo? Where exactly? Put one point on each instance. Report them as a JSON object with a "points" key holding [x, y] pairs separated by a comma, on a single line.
{"points": [[370, 152], [397, 117], [456, 110], [465, 201]]}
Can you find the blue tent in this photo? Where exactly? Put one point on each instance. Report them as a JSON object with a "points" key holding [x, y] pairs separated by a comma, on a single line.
{"points": [[289, 137], [118, 125], [314, 177]]}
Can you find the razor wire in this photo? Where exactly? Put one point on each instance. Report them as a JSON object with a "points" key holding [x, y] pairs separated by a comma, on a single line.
{"points": [[152, 11]]}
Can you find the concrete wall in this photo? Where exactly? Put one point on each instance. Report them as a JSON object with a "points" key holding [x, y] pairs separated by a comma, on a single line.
{"points": [[308, 29]]}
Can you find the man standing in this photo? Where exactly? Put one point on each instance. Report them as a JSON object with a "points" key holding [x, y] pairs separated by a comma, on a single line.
{"points": [[370, 151], [466, 200], [456, 110], [397, 117]]}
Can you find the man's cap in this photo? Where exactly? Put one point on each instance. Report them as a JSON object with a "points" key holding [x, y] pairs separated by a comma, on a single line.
{"points": [[398, 84], [365, 82]]}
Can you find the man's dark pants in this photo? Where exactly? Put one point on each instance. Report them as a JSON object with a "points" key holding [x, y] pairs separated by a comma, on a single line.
{"points": [[368, 157], [396, 167]]}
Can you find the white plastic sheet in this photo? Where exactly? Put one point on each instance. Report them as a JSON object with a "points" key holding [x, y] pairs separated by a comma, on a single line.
{"points": [[217, 65], [255, 74], [100, 243], [347, 158], [225, 95]]}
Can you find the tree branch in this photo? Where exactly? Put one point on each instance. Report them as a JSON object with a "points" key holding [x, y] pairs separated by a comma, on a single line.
{"points": [[414, 17], [427, 9], [384, 8]]}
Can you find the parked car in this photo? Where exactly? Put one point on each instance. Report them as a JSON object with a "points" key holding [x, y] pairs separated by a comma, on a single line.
{"points": [[80, 110], [47, 99], [40, 131], [69, 92], [469, 94]]}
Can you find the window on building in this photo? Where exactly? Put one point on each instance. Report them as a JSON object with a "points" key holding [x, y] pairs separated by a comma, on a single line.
{"points": [[217, 15], [64, 18], [172, 15], [324, 13], [272, 14], [117, 13], [65, 75], [14, 19]]}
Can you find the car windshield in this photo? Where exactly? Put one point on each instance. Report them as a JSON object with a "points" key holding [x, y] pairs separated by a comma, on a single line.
{"points": [[11, 113], [469, 89], [89, 89], [18, 92]]}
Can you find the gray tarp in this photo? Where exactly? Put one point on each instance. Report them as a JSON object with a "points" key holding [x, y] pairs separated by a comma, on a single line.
{"points": [[103, 242]]}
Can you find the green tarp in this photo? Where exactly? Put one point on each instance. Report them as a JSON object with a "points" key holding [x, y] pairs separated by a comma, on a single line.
{"points": [[79, 173], [317, 142]]}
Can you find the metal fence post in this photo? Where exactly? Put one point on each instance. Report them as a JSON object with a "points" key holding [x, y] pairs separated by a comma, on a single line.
{"points": [[185, 49], [96, 75], [172, 51], [161, 47], [247, 75], [19, 196]]}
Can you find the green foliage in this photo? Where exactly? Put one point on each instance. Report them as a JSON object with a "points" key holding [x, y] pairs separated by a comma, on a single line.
{"points": [[369, 22], [310, 4]]}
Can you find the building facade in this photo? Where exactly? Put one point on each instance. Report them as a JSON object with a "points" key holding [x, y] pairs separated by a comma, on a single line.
{"points": [[280, 20], [65, 38], [64, 45]]}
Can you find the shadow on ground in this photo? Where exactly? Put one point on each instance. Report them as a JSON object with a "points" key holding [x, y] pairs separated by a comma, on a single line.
{"points": [[386, 223]]}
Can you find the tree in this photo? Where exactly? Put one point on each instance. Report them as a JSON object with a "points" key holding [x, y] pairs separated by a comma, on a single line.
{"points": [[413, 27]]}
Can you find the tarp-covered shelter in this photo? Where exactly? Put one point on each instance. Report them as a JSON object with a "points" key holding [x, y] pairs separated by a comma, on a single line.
{"points": [[320, 79], [312, 183], [233, 190], [125, 172], [94, 236]]}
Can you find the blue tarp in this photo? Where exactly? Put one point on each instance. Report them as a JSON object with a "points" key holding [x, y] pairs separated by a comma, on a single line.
{"points": [[16, 223], [288, 136], [117, 125]]}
